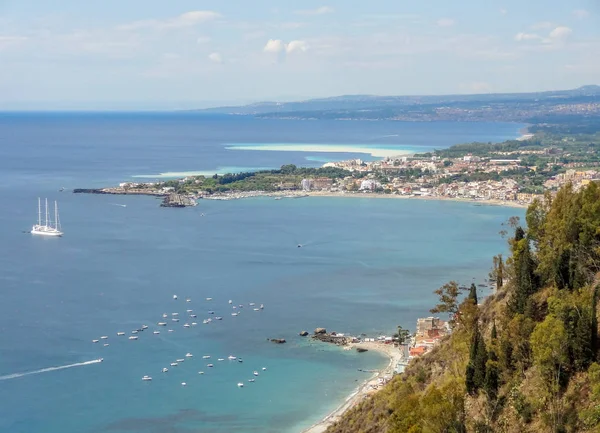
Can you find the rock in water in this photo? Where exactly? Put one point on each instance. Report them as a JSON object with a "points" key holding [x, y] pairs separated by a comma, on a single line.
{"points": [[320, 331], [278, 340], [303, 333], [361, 350]]}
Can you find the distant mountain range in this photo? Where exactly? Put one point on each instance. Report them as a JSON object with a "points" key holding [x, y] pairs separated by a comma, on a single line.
{"points": [[583, 101]]}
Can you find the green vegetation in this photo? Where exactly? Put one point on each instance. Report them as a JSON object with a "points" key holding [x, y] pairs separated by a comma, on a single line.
{"points": [[524, 361], [287, 177]]}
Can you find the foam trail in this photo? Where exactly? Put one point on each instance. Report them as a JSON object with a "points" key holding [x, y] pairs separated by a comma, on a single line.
{"points": [[46, 370]]}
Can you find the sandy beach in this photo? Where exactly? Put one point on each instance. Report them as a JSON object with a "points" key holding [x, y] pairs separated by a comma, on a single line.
{"points": [[369, 387]]}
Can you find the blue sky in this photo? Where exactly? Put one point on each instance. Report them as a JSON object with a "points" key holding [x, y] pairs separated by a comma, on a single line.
{"points": [[157, 54]]}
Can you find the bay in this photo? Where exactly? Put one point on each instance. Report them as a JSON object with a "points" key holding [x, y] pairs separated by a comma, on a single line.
{"points": [[367, 265]]}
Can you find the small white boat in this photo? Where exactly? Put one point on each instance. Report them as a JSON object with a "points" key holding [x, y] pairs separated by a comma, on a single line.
{"points": [[255, 373], [165, 315], [262, 306], [232, 358], [180, 360], [186, 325], [165, 369], [174, 314], [162, 323], [188, 355], [230, 301], [95, 341], [252, 304], [146, 378], [240, 384], [194, 323], [251, 380], [174, 364], [144, 326], [234, 314], [240, 306], [133, 337], [188, 300], [200, 372], [193, 316], [175, 320], [257, 309], [104, 337], [234, 307], [221, 359], [120, 334], [209, 365], [183, 384], [174, 296], [211, 312], [264, 369], [206, 357], [209, 299], [188, 311], [135, 331], [218, 318], [106, 344], [171, 330], [156, 332]]}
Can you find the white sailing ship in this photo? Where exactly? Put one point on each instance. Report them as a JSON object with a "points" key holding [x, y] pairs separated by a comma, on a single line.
{"points": [[47, 229]]}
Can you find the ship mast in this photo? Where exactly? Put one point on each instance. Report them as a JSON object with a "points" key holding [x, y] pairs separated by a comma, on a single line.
{"points": [[46, 213], [39, 211], [56, 222]]}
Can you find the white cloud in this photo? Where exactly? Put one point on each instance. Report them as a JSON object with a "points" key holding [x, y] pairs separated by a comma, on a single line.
{"points": [[445, 22], [581, 14], [215, 58], [560, 33], [188, 19], [318, 11], [274, 46], [203, 40], [11, 41], [503, 11], [296, 46], [521, 37]]}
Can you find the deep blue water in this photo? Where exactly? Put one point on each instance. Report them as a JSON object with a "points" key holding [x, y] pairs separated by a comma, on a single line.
{"points": [[367, 266]]}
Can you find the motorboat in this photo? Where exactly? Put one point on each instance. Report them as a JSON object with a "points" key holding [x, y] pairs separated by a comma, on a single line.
{"points": [[211, 312], [218, 318], [234, 307], [171, 330], [156, 332], [104, 337], [135, 331], [188, 311], [174, 364], [144, 326], [206, 357], [147, 378], [174, 314], [187, 325], [234, 314], [240, 384], [188, 355], [106, 344], [205, 321], [188, 300], [257, 309], [210, 365], [175, 319], [193, 316], [162, 323], [194, 323], [120, 334], [262, 307], [174, 296], [255, 373], [232, 358], [165, 315], [180, 360], [230, 301], [165, 369], [240, 360], [264, 369], [95, 341], [252, 304], [251, 380], [200, 372], [183, 384], [133, 337], [221, 359], [209, 299], [240, 306]]}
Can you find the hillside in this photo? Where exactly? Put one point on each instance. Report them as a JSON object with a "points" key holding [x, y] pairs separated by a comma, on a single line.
{"points": [[524, 361], [520, 107]]}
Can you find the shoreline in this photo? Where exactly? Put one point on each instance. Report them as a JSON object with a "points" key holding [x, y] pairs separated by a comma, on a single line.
{"points": [[365, 389]]}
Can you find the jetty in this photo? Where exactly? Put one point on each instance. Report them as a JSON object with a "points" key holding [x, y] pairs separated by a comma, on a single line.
{"points": [[178, 200]]}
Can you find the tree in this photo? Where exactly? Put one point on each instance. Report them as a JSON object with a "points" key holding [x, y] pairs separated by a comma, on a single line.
{"points": [[492, 373], [549, 345], [473, 293], [497, 273], [448, 294], [401, 335]]}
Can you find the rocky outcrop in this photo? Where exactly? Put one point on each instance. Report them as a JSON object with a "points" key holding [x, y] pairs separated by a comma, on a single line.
{"points": [[277, 340], [303, 333], [332, 338], [361, 349], [320, 331]]}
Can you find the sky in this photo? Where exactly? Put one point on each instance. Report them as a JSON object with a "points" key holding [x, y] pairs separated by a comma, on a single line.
{"points": [[177, 54]]}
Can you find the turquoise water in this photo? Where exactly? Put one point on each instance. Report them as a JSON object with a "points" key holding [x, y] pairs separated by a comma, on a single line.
{"points": [[367, 266]]}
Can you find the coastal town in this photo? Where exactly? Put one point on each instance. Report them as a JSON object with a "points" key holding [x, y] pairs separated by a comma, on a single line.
{"points": [[510, 177]]}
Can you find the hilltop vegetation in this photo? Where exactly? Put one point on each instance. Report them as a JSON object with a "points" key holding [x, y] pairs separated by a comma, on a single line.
{"points": [[524, 361]]}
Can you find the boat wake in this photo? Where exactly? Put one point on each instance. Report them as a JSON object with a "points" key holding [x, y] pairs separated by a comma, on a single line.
{"points": [[46, 370]]}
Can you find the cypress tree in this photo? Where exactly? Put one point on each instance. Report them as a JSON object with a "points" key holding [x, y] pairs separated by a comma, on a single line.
{"points": [[494, 332], [481, 358], [491, 367], [469, 379], [500, 273], [473, 293]]}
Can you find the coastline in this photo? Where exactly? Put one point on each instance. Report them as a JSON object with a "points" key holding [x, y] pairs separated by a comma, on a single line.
{"points": [[367, 388]]}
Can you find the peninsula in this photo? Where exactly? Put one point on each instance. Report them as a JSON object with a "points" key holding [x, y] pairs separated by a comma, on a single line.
{"points": [[513, 173]]}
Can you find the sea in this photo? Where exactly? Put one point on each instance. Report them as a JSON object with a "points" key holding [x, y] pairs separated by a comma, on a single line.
{"points": [[366, 266]]}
